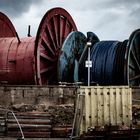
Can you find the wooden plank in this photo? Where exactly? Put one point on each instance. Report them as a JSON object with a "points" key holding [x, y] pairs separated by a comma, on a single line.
{"points": [[112, 107], [118, 107], [87, 108], [94, 102], [106, 106]]}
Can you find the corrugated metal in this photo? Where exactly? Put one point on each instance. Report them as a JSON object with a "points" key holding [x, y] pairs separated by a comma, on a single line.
{"points": [[105, 106]]}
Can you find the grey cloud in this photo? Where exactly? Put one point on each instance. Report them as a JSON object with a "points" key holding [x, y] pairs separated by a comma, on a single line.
{"points": [[109, 18], [131, 8], [120, 3], [15, 8]]}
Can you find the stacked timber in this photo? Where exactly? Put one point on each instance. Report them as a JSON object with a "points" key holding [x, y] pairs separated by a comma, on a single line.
{"points": [[2, 124], [33, 124]]}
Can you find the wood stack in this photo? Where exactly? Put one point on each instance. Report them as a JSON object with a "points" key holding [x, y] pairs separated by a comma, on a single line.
{"points": [[33, 124]]}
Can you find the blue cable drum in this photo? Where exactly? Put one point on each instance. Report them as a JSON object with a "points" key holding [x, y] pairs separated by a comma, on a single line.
{"points": [[103, 57], [114, 62], [119, 64], [108, 60]]}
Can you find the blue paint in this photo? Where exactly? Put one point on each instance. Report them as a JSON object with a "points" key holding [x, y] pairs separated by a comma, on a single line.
{"points": [[72, 49]]}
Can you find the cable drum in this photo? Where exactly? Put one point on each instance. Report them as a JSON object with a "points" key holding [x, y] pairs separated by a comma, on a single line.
{"points": [[93, 38], [119, 71], [103, 57], [108, 58], [132, 64], [114, 62], [68, 66], [33, 60]]}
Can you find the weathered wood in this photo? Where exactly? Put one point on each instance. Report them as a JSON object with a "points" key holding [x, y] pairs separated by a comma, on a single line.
{"points": [[30, 134], [29, 121], [108, 105]]}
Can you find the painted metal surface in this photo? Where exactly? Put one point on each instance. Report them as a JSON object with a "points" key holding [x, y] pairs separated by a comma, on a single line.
{"points": [[53, 29], [103, 106], [83, 72], [133, 59], [33, 60], [6, 27], [92, 37], [68, 64], [17, 61]]}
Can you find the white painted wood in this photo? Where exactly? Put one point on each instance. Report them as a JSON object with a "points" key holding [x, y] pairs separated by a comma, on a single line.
{"points": [[87, 108], [94, 107], [107, 105]]}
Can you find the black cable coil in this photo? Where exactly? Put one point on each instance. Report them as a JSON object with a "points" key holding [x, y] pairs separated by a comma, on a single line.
{"points": [[108, 58]]}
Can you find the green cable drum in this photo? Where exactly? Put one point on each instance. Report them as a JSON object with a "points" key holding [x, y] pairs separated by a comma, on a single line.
{"points": [[132, 64], [68, 64]]}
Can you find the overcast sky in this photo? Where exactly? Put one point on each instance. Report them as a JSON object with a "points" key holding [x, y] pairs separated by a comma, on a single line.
{"points": [[109, 19]]}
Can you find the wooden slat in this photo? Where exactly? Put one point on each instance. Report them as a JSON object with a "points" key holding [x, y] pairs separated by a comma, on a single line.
{"points": [[108, 105]]}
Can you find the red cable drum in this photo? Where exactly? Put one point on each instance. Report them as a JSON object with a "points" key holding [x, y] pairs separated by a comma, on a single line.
{"points": [[56, 24], [17, 61], [30, 60], [6, 27]]}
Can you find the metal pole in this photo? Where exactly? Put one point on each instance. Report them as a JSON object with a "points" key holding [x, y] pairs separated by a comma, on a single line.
{"points": [[29, 30], [88, 66], [89, 44]]}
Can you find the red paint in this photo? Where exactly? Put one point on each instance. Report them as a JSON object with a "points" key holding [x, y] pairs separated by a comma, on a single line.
{"points": [[33, 61], [6, 27], [56, 24], [17, 61]]}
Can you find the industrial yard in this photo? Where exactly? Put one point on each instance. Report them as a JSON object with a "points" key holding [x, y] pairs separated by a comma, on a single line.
{"points": [[62, 84]]}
